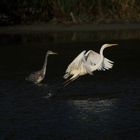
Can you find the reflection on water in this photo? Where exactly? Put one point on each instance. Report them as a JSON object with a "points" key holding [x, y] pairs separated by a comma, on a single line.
{"points": [[94, 105], [30, 38], [94, 110]]}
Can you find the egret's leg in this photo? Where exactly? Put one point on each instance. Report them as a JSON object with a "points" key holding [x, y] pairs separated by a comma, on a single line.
{"points": [[67, 81], [70, 80]]}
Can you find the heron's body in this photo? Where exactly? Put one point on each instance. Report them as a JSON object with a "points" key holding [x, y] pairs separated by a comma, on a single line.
{"points": [[87, 63], [38, 76]]}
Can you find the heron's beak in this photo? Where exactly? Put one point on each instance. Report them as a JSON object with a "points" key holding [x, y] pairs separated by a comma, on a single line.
{"points": [[110, 45], [55, 53]]}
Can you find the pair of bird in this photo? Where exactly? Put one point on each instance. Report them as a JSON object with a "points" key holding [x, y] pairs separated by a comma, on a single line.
{"points": [[84, 63]]}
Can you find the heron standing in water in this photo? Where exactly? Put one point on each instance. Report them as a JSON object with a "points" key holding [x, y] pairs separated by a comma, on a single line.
{"points": [[38, 76], [87, 63]]}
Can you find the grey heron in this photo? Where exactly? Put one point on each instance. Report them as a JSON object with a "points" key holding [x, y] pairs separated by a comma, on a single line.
{"points": [[38, 76]]}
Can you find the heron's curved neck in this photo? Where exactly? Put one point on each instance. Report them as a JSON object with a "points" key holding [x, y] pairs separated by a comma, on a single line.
{"points": [[45, 63]]}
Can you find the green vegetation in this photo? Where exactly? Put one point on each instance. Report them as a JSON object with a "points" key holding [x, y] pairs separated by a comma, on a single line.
{"points": [[69, 11]]}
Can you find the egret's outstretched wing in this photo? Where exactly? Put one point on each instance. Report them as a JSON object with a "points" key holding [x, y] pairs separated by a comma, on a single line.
{"points": [[77, 66], [74, 65], [76, 62], [93, 59]]}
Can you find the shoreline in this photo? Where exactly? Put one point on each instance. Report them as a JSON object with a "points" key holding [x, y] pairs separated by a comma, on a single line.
{"points": [[61, 33], [17, 29]]}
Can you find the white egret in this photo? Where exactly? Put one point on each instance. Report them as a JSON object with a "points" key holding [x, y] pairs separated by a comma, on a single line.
{"points": [[87, 63], [38, 76]]}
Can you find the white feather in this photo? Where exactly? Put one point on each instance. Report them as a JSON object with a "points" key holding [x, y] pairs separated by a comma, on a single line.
{"points": [[77, 66], [93, 59]]}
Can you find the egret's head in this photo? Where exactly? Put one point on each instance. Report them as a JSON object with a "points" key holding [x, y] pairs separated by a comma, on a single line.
{"points": [[50, 52], [109, 45]]}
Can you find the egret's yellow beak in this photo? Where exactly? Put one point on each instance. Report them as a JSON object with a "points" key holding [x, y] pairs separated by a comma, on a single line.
{"points": [[110, 45]]}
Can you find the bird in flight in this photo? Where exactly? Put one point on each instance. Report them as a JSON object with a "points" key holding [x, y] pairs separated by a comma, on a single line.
{"points": [[38, 76], [87, 63]]}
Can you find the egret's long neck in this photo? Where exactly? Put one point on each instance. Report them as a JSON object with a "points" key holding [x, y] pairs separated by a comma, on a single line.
{"points": [[101, 53], [101, 58], [45, 64]]}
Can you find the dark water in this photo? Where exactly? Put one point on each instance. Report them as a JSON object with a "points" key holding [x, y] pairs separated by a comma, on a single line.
{"points": [[103, 106]]}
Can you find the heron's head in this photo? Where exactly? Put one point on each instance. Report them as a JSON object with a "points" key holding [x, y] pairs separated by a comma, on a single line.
{"points": [[50, 52], [109, 45]]}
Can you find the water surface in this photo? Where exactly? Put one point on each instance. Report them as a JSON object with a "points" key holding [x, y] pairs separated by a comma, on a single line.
{"points": [[103, 106]]}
